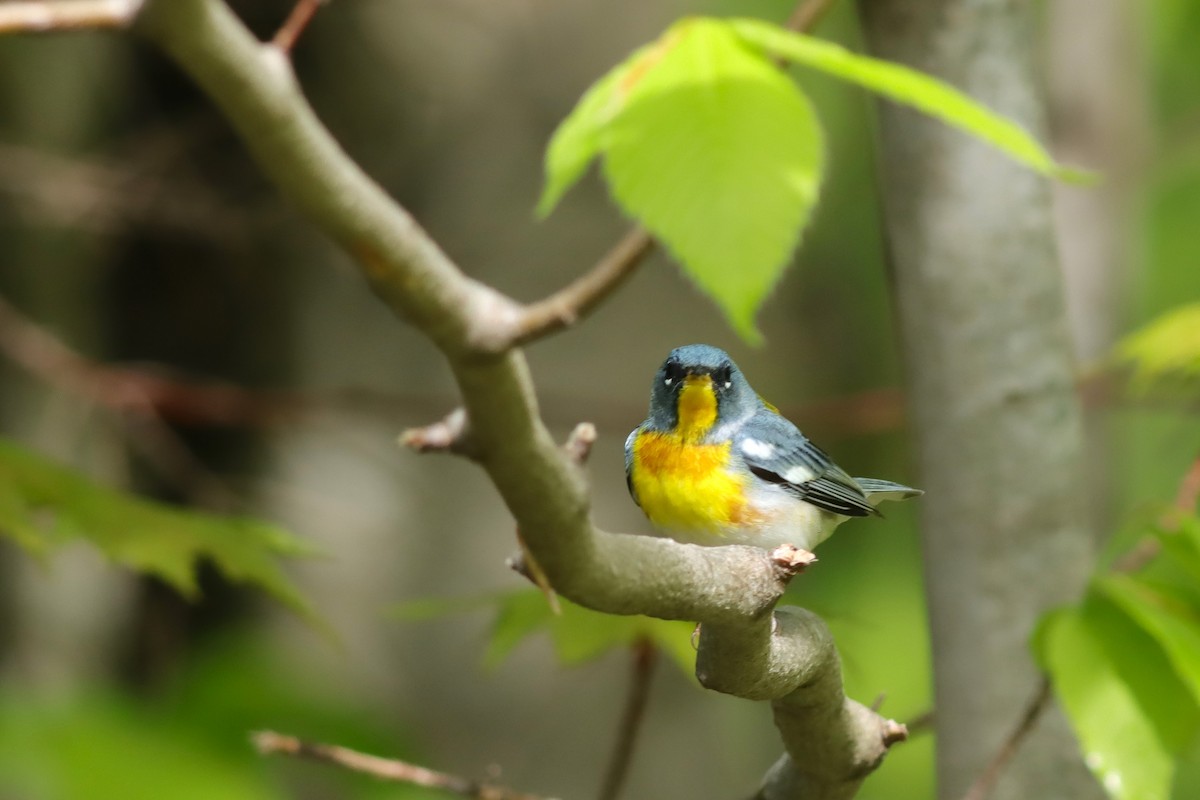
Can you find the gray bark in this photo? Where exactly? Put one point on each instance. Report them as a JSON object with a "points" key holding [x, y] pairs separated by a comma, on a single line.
{"points": [[980, 306]]}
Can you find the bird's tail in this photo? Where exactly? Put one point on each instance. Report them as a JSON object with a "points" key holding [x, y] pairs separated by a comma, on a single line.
{"points": [[878, 490]]}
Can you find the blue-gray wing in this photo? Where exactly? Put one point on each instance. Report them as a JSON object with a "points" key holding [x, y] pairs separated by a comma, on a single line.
{"points": [[777, 452]]}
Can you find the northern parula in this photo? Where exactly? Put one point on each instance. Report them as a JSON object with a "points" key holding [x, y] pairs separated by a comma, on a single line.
{"points": [[714, 464]]}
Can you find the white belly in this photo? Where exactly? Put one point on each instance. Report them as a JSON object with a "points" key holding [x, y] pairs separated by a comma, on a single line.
{"points": [[783, 520]]}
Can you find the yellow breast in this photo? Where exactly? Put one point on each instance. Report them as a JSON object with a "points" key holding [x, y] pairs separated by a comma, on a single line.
{"points": [[685, 486]]}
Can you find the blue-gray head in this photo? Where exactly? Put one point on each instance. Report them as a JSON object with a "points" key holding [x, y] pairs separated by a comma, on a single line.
{"points": [[697, 387]]}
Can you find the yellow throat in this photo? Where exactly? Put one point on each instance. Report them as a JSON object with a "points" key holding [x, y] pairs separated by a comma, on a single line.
{"points": [[682, 483], [697, 407]]}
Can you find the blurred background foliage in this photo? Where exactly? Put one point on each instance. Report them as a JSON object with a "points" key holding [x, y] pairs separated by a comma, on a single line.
{"points": [[136, 229]]}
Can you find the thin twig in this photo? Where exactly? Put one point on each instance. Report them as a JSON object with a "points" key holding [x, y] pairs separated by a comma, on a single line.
{"points": [[645, 656], [387, 769], [156, 389], [808, 15], [921, 723], [40, 353], [67, 15], [579, 444], [569, 304], [1188, 493], [1186, 497], [291, 29], [163, 448], [451, 434], [983, 785]]}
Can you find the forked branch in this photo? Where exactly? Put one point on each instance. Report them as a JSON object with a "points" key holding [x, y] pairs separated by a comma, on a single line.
{"points": [[747, 647]]}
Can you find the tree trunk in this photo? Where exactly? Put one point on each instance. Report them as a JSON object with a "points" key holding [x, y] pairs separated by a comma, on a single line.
{"points": [[980, 306]]}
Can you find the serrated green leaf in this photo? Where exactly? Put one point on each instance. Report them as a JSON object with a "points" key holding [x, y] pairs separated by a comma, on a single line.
{"points": [[1172, 623], [1165, 350], [1121, 745], [519, 616], [580, 634], [909, 87], [719, 155], [44, 505]]}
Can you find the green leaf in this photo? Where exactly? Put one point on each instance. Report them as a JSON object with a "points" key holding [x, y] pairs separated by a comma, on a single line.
{"points": [[1172, 624], [104, 748], [580, 634], [1121, 744], [1165, 350], [720, 156], [712, 148], [44, 505], [1178, 565], [909, 87]]}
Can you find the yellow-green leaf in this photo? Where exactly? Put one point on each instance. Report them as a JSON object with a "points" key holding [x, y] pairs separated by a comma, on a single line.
{"points": [[1119, 740], [1174, 625], [909, 87], [709, 146], [1167, 350]]}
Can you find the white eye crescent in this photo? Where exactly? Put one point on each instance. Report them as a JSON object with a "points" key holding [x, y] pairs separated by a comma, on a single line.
{"points": [[668, 381], [728, 384]]}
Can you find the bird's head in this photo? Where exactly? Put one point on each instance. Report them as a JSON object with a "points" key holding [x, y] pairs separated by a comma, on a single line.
{"points": [[697, 388]]}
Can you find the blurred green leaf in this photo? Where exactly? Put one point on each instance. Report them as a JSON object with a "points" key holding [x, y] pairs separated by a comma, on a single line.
{"points": [[89, 744], [1123, 743], [1181, 545], [44, 505], [1170, 621], [1165, 350], [909, 87], [578, 634], [104, 749], [712, 148]]}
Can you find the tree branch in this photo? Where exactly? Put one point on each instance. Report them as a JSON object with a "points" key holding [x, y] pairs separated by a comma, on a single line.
{"points": [[986, 782], [568, 305], [130, 389], [66, 15], [787, 657], [387, 769]]}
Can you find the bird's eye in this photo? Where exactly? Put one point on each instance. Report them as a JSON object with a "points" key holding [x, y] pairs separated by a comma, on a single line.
{"points": [[723, 376], [673, 372]]}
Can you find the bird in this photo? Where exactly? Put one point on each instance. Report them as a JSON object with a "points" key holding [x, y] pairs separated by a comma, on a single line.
{"points": [[714, 464]]}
